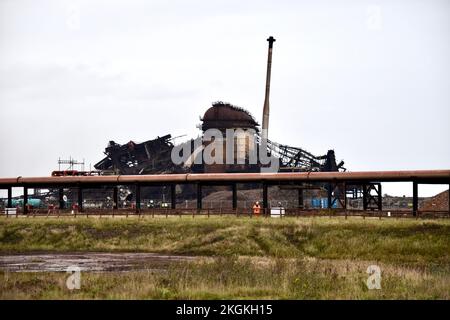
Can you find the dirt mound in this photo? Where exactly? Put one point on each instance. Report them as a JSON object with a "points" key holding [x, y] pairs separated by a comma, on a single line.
{"points": [[437, 203], [253, 194], [288, 197]]}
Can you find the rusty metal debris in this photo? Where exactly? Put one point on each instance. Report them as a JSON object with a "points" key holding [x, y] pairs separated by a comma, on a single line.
{"points": [[149, 157], [154, 156]]}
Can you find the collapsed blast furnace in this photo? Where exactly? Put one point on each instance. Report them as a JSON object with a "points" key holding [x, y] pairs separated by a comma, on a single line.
{"points": [[224, 116], [154, 156]]}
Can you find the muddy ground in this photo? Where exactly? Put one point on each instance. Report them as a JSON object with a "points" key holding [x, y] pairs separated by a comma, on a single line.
{"points": [[100, 262]]}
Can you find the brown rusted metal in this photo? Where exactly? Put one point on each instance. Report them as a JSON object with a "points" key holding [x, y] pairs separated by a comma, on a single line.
{"points": [[385, 176], [425, 176], [266, 111], [149, 157], [224, 116]]}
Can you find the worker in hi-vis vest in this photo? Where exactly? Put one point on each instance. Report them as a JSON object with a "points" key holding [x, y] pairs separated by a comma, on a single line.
{"points": [[256, 209]]}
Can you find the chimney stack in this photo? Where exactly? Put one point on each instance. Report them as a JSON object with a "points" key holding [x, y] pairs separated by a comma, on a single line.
{"points": [[265, 122]]}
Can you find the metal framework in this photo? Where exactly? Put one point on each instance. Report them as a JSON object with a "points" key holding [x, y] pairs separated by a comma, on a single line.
{"points": [[335, 181], [298, 159], [372, 196], [71, 163], [149, 157], [154, 157]]}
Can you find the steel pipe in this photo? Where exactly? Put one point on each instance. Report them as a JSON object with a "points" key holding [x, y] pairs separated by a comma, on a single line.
{"points": [[442, 176]]}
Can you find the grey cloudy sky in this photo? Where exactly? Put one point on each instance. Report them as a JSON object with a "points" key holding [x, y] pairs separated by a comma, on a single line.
{"points": [[370, 79]]}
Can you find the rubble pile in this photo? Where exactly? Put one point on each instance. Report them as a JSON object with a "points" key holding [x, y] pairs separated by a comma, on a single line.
{"points": [[437, 203]]}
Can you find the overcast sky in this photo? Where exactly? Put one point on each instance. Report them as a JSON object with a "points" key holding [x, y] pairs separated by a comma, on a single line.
{"points": [[369, 79]]}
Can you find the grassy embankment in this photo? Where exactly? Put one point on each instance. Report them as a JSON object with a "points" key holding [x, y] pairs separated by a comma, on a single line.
{"points": [[253, 258]]}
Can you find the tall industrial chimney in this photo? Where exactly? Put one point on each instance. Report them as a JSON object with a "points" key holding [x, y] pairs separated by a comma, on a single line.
{"points": [[265, 122]]}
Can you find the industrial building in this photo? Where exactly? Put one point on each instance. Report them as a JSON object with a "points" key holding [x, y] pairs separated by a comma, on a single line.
{"points": [[135, 174]]}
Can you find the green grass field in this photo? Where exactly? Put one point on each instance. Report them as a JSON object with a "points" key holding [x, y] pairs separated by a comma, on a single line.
{"points": [[317, 258]]}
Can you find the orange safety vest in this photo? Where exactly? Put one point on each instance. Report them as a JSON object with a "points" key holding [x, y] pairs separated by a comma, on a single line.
{"points": [[256, 209]]}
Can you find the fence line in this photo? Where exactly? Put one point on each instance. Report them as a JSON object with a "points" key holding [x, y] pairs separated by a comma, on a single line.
{"points": [[207, 212]]}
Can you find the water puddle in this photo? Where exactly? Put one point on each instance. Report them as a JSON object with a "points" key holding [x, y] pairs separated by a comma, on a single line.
{"points": [[99, 262]]}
